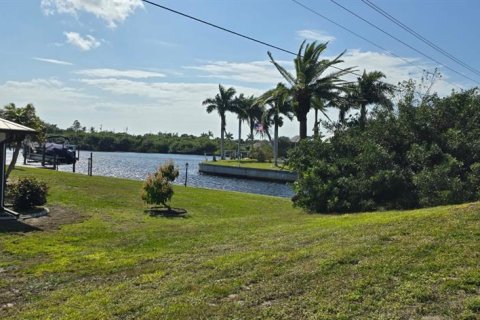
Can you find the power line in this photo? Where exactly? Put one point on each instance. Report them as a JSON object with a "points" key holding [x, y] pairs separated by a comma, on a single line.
{"points": [[419, 36], [402, 42], [277, 47], [219, 27], [234, 32], [366, 39]]}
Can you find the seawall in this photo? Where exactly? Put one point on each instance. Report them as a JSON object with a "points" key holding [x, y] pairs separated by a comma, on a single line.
{"points": [[249, 173]]}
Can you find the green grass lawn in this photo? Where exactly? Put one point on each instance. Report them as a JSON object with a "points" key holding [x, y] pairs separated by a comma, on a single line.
{"points": [[236, 256], [248, 163]]}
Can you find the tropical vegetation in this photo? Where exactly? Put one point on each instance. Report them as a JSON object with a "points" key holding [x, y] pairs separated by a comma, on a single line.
{"points": [[425, 152]]}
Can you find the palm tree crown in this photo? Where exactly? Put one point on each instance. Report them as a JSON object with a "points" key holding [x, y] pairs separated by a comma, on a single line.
{"points": [[222, 102], [280, 102], [309, 79], [370, 90]]}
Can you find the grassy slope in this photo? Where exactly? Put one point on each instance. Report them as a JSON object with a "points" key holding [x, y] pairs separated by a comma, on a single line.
{"points": [[247, 164], [239, 256]]}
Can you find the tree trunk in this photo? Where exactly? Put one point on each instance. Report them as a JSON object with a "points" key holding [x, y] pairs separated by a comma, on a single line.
{"points": [[222, 137], [363, 115], [341, 116], [16, 151], [275, 145], [316, 125], [252, 125], [239, 136], [302, 119]]}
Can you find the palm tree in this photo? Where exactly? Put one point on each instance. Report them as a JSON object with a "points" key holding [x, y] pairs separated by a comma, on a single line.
{"points": [[222, 102], [279, 102], [25, 116], [370, 90], [240, 107], [319, 104], [309, 80]]}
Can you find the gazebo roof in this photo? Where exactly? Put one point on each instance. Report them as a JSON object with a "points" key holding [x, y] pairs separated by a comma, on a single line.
{"points": [[9, 126]]}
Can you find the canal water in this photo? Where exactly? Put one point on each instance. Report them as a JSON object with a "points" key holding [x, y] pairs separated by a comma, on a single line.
{"points": [[137, 166]]}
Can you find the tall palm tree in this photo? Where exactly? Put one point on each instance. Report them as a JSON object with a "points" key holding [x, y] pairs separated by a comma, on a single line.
{"points": [[370, 90], [309, 79], [255, 113], [222, 102], [279, 102], [344, 102], [240, 108]]}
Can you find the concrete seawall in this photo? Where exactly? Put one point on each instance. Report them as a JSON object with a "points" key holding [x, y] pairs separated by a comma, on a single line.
{"points": [[249, 173]]}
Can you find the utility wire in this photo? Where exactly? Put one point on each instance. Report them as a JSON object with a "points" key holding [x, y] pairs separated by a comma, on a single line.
{"points": [[419, 36], [279, 48], [403, 42], [356, 34], [235, 33], [366, 39], [218, 27]]}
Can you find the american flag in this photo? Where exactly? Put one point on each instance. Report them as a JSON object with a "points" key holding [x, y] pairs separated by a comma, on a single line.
{"points": [[259, 127]]}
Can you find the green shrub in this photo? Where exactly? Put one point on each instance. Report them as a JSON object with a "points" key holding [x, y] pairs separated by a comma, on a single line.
{"points": [[27, 193], [157, 188], [261, 153]]}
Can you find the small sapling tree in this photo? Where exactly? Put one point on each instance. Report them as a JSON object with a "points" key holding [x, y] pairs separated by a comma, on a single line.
{"points": [[157, 189]]}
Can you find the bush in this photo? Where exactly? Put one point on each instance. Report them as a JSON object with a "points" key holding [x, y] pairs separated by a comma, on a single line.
{"points": [[27, 193], [261, 153], [157, 189]]}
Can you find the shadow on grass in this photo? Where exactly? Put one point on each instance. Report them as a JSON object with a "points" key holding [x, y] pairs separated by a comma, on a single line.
{"points": [[16, 226], [167, 212]]}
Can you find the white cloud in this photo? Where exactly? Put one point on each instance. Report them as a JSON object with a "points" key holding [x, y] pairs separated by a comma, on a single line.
{"points": [[315, 35], [114, 73], [395, 69], [250, 72], [55, 102], [54, 61], [112, 11], [84, 43], [168, 92]]}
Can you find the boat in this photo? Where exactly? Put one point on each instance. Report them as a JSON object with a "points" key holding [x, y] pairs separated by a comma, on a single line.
{"points": [[56, 150]]}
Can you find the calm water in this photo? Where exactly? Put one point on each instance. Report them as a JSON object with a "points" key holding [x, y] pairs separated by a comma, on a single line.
{"points": [[138, 165]]}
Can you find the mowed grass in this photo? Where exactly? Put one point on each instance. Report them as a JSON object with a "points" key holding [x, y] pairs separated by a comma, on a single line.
{"points": [[249, 163], [237, 256]]}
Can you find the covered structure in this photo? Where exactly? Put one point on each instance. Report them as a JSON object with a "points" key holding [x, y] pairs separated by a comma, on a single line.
{"points": [[8, 131]]}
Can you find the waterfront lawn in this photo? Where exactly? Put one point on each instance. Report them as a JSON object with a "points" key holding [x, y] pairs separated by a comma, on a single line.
{"points": [[249, 163], [235, 256]]}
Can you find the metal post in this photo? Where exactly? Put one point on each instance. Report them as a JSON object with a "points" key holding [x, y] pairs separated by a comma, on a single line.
{"points": [[186, 173], [43, 155], [2, 174], [90, 164]]}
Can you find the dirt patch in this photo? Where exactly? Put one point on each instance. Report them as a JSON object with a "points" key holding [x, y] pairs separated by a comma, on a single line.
{"points": [[56, 217]]}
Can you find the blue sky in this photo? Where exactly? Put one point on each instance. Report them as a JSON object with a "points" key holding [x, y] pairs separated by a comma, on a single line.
{"points": [[124, 64]]}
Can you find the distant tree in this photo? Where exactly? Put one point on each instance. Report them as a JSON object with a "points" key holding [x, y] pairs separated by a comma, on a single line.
{"points": [[25, 116], [222, 102], [370, 90], [310, 81], [277, 101], [241, 108], [76, 126]]}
